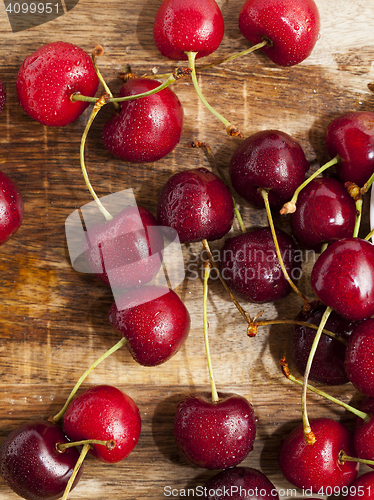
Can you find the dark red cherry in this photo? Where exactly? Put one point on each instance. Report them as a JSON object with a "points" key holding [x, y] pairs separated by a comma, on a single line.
{"points": [[188, 26], [343, 278], [363, 435], [197, 204], [145, 129], [215, 435], [362, 488], [2, 96], [325, 212], [240, 483], [250, 266], [48, 78], [271, 160], [359, 361], [31, 464], [11, 208], [155, 322], [290, 26], [104, 412], [328, 362], [351, 136], [126, 251], [316, 467]]}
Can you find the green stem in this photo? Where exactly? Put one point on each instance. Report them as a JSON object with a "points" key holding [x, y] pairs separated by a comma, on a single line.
{"points": [[116, 346], [345, 458], [300, 323], [207, 268], [109, 445], [97, 52], [356, 230], [82, 456], [290, 206], [370, 235], [230, 129]]}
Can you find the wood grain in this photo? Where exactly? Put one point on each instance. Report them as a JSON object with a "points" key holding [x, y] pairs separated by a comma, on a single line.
{"points": [[54, 320]]}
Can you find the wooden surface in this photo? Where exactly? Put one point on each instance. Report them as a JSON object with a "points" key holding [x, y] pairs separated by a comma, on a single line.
{"points": [[54, 320]]}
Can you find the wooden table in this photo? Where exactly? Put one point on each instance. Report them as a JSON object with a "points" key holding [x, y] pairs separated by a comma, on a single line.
{"points": [[54, 320]]}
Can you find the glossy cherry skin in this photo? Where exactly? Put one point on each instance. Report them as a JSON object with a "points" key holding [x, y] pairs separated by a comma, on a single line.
{"points": [[32, 466], [359, 362], [157, 325], [317, 466], [343, 278], [2, 96], [11, 208], [362, 488], [325, 212], [197, 204], [328, 362], [240, 483], [291, 27], [351, 136], [363, 435], [250, 266], [188, 26], [269, 159], [47, 79], [146, 129], [126, 251], [215, 435], [104, 412]]}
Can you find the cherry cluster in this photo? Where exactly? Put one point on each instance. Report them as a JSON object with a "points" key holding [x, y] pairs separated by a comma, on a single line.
{"points": [[332, 337]]}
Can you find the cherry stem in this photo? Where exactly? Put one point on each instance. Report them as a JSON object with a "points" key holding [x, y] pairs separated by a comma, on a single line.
{"points": [[300, 323], [356, 229], [308, 434], [207, 268], [99, 51], [211, 157], [109, 445], [230, 129], [116, 346], [290, 206], [98, 105], [364, 416], [245, 315], [370, 235], [345, 458], [265, 197], [86, 448]]}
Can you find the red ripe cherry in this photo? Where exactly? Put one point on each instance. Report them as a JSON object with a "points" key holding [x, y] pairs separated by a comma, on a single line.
{"points": [[359, 362], [328, 362], [2, 96], [318, 466], [188, 26], [362, 488], [32, 465], [155, 322], [351, 136], [343, 278], [250, 266], [48, 78], [127, 250], [107, 414], [240, 483], [215, 435], [325, 213], [197, 204], [145, 129], [291, 28], [271, 160], [11, 208]]}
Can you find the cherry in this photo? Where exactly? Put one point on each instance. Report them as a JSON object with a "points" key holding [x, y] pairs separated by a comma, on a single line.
{"points": [[318, 466], [351, 136], [250, 266], [48, 78], [155, 322], [215, 434], [359, 364], [106, 413], [32, 465], [361, 488], [146, 129], [290, 27], [325, 213], [2, 96], [182, 26], [11, 208], [240, 483], [328, 362], [125, 251], [197, 204], [269, 159], [343, 278]]}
